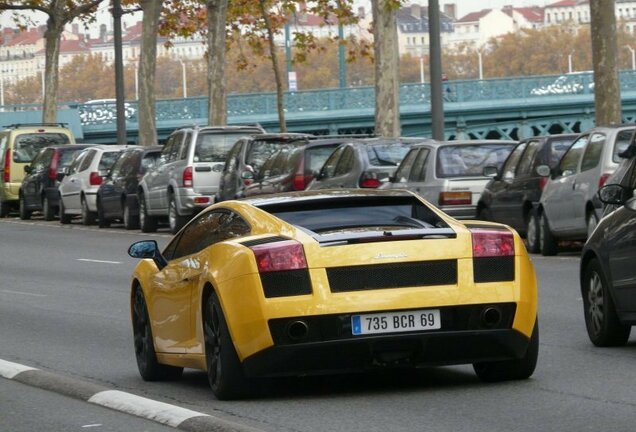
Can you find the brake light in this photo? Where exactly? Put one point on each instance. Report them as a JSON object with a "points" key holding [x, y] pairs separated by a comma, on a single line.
{"points": [[187, 177], [301, 181], [278, 256], [95, 179], [53, 167], [542, 182], [492, 243], [602, 180], [369, 180], [6, 176], [455, 198]]}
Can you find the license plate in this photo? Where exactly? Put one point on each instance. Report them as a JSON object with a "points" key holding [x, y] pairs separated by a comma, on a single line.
{"points": [[392, 322]]}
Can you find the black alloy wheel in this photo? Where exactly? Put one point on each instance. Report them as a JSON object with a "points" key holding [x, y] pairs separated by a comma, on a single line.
{"points": [[225, 372], [601, 320], [149, 368]]}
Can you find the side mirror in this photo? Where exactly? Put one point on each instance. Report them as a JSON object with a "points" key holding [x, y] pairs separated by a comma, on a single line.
{"points": [[60, 175], [543, 171], [28, 169], [147, 249], [614, 194], [491, 171]]}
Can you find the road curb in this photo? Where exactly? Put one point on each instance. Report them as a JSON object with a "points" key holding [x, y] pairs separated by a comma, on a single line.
{"points": [[160, 412]]}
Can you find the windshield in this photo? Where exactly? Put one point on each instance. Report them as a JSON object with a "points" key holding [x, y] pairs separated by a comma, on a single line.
{"points": [[214, 147], [108, 160], [387, 155], [470, 160], [27, 146]]}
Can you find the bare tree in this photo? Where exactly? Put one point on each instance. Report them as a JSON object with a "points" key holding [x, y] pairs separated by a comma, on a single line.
{"points": [[147, 67], [217, 94]]}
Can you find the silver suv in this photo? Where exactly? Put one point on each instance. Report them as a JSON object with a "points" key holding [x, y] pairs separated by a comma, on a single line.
{"points": [[568, 209], [188, 174]]}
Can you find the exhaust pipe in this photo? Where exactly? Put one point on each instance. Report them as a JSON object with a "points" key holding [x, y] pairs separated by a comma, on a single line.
{"points": [[490, 317], [297, 330]]}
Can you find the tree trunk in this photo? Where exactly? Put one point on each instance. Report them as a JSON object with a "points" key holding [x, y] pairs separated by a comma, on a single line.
{"points": [[217, 93], [607, 94], [52, 37], [280, 101], [147, 66], [387, 82]]}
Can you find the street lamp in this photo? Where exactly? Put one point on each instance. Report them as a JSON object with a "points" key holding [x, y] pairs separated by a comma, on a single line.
{"points": [[136, 81], [184, 78], [633, 51], [481, 69], [570, 62]]}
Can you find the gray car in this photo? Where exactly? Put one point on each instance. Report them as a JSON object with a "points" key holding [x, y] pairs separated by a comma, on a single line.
{"points": [[568, 209], [450, 174], [187, 177], [362, 163]]}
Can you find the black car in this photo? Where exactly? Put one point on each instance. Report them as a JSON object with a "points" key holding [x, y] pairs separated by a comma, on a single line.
{"points": [[513, 194], [117, 195], [608, 273], [38, 191]]}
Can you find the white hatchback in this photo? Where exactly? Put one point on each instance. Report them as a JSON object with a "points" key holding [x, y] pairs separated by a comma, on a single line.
{"points": [[78, 189]]}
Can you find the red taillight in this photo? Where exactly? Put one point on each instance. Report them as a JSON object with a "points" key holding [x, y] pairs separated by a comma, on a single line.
{"points": [[369, 180], [53, 166], [187, 177], [283, 255], [202, 200], [602, 180], [455, 198], [95, 179], [542, 182], [6, 176], [492, 243], [301, 181]]}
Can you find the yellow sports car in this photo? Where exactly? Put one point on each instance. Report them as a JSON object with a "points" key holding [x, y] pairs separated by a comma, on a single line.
{"points": [[332, 281]]}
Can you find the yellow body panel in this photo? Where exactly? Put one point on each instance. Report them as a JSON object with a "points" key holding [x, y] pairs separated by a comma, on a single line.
{"points": [[230, 268]]}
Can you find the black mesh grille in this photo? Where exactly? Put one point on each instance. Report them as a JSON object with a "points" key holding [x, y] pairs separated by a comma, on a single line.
{"points": [[494, 269], [250, 243], [286, 283], [422, 273]]}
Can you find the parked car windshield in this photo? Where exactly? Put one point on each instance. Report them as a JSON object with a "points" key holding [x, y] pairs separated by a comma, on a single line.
{"points": [[108, 160], [623, 139], [470, 160], [214, 147], [27, 146], [386, 155], [557, 150]]}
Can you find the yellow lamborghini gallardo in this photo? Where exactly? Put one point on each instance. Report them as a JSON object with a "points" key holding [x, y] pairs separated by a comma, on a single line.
{"points": [[328, 282]]}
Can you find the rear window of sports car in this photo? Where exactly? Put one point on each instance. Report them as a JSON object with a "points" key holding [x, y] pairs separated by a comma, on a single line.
{"points": [[357, 214]]}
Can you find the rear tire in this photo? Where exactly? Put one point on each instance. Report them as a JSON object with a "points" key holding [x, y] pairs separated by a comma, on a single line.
{"points": [[517, 369], [549, 244], [64, 218], [88, 217], [149, 368], [533, 232], [147, 223], [592, 221], [176, 220], [130, 222], [4, 209], [47, 209], [24, 213], [102, 222]]}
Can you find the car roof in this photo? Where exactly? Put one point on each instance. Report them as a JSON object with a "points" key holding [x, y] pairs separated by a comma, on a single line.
{"points": [[438, 144]]}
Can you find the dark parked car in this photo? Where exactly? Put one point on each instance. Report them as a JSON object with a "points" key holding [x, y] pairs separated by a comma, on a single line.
{"points": [[608, 273], [247, 156], [363, 163], [117, 196], [39, 189], [292, 169], [513, 194]]}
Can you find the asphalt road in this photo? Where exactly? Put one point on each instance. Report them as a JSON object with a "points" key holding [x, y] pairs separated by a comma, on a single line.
{"points": [[64, 309]]}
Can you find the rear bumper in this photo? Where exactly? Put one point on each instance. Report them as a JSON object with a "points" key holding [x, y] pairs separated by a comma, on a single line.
{"points": [[190, 202], [388, 351]]}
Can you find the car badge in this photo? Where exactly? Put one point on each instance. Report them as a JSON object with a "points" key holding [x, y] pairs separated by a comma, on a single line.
{"points": [[391, 256]]}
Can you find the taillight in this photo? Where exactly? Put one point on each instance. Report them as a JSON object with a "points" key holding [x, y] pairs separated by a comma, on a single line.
{"points": [[542, 182], [602, 180], [369, 180], [492, 243], [95, 179], [53, 166], [278, 256], [455, 198], [301, 181], [187, 177], [6, 176]]}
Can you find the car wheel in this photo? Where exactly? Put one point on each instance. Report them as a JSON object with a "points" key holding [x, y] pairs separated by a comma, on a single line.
{"points": [[517, 369], [24, 213], [176, 221], [601, 320], [548, 243], [102, 222], [4, 209], [592, 221], [64, 218], [533, 232], [146, 223], [130, 222], [88, 217], [149, 368], [225, 372], [47, 209]]}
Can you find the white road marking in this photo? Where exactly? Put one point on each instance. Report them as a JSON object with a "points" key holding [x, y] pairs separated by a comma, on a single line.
{"points": [[23, 293], [143, 407], [92, 425], [98, 261], [9, 369]]}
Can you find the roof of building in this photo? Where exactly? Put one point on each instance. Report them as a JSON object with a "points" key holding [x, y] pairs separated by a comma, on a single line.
{"points": [[474, 16], [414, 19], [567, 3], [532, 13]]}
